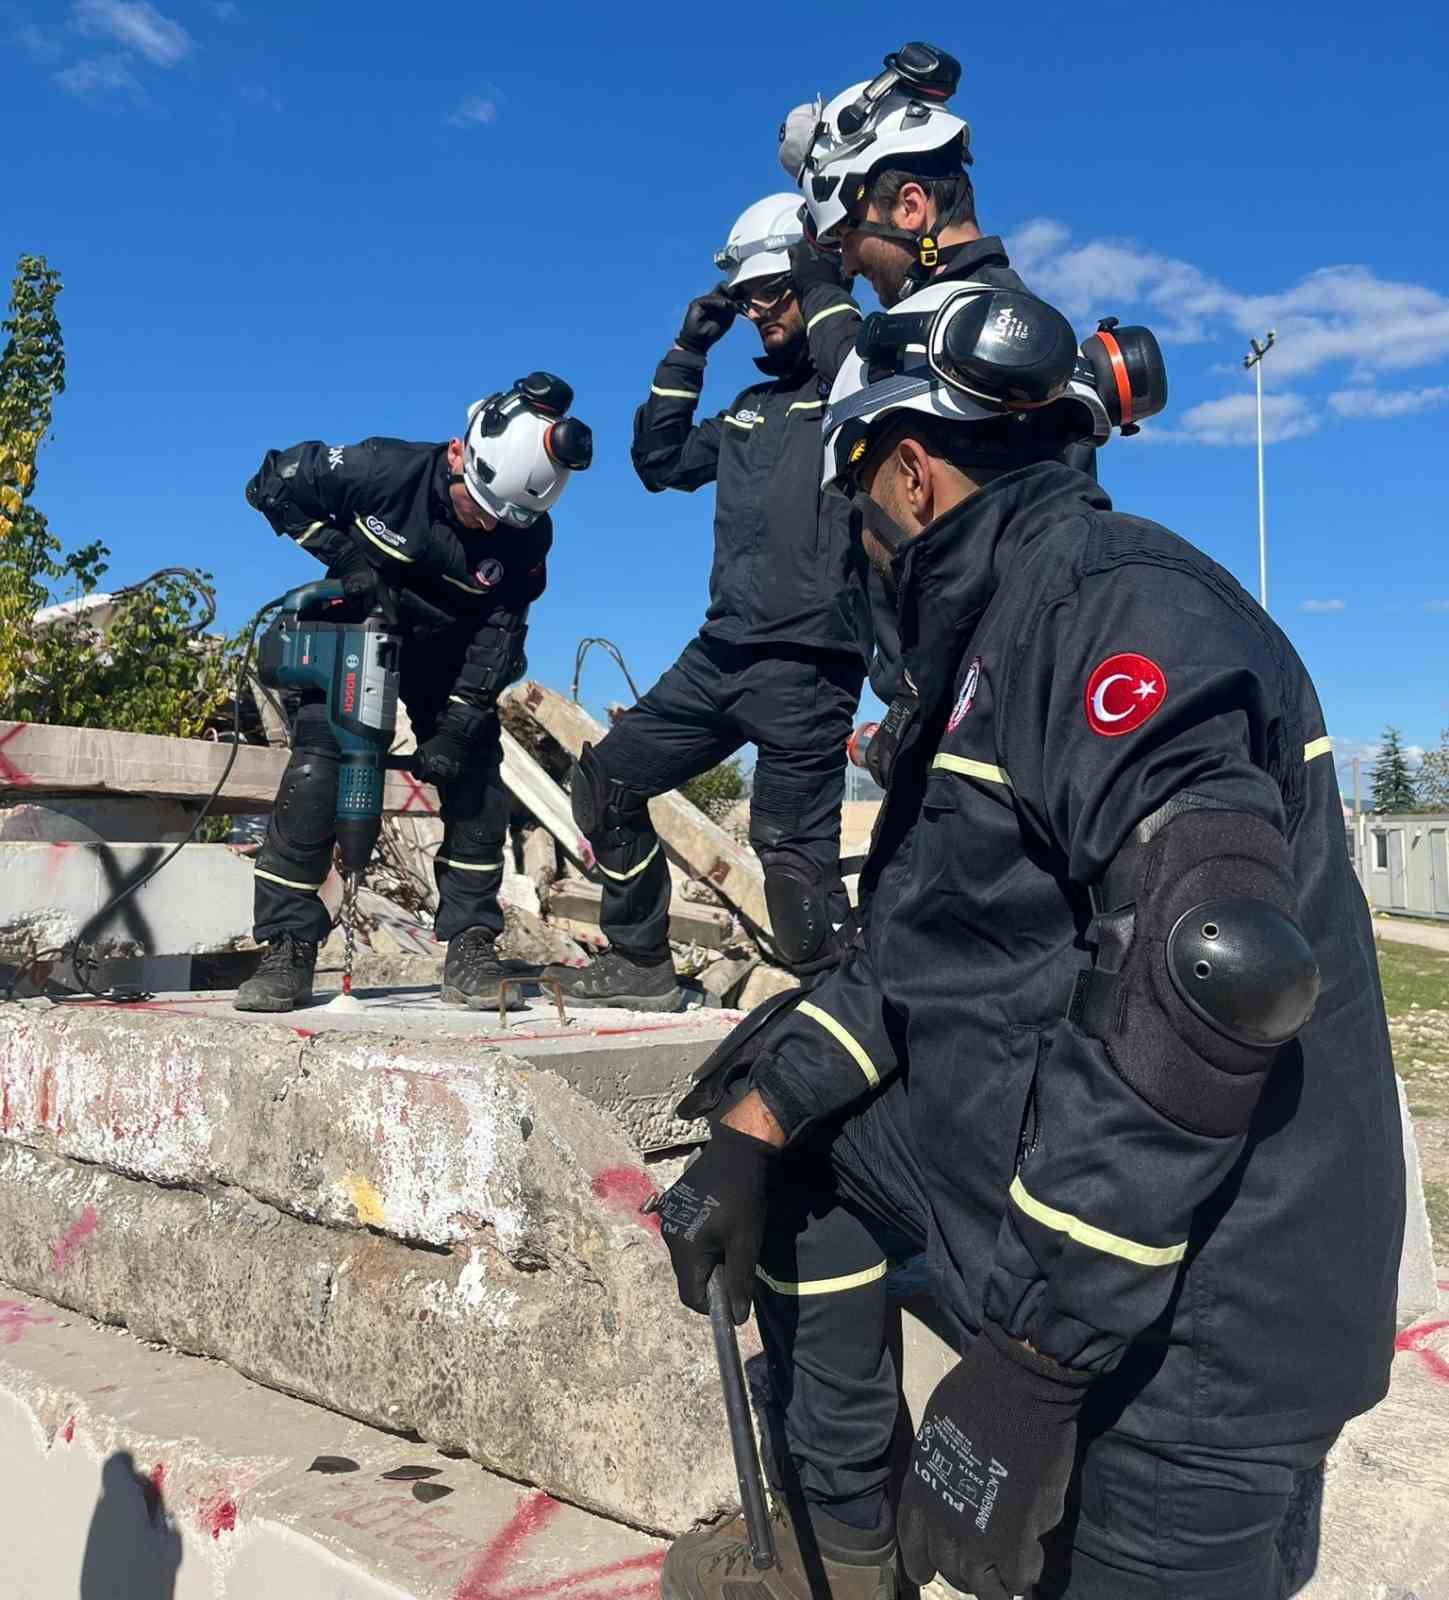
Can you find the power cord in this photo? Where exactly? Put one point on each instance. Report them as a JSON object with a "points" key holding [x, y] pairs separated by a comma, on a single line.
{"points": [[613, 650]]}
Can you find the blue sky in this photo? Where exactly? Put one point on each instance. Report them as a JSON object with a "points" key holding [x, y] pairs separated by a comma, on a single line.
{"points": [[276, 223]]}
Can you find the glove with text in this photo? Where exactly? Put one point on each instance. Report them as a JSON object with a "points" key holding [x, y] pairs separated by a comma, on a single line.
{"points": [[706, 322], [989, 1469], [714, 1214]]}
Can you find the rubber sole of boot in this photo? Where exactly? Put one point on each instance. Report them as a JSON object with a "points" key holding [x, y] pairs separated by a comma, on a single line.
{"points": [[675, 1000], [451, 995], [270, 1003]]}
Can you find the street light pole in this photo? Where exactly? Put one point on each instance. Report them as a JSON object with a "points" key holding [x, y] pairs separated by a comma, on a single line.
{"points": [[1254, 359]]}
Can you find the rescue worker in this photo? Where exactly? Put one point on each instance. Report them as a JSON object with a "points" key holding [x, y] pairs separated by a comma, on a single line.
{"points": [[780, 657], [456, 536], [888, 197], [1110, 1048]]}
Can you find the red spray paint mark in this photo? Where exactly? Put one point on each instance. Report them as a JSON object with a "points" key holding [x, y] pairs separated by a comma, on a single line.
{"points": [[625, 1189], [1413, 1339], [46, 1081], [15, 1318], [483, 1579], [218, 1516], [305, 1033], [152, 1486], [10, 774], [417, 795], [67, 1433], [4, 1108], [63, 1251]]}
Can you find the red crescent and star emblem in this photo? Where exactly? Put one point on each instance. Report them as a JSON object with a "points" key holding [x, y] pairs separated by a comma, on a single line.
{"points": [[1122, 693]]}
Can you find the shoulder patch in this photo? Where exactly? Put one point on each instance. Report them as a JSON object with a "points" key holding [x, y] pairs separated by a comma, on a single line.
{"points": [[966, 697], [1123, 692]]}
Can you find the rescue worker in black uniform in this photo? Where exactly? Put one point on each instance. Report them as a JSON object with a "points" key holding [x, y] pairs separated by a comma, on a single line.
{"points": [[780, 658], [456, 536], [1110, 1048]]}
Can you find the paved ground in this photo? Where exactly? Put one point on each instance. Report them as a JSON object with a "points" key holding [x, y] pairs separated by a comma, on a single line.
{"points": [[1404, 930]]}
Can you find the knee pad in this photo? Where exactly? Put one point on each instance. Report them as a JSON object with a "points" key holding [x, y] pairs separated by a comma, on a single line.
{"points": [[799, 912], [305, 814], [602, 805], [1202, 973]]}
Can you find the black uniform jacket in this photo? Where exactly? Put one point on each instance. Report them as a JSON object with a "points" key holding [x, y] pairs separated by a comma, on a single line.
{"points": [[1077, 669], [832, 337], [787, 569], [389, 500]]}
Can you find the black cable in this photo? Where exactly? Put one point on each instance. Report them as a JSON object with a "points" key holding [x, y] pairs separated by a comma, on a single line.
{"points": [[73, 948], [613, 650]]}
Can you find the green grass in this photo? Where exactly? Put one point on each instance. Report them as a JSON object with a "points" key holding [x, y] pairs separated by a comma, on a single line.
{"points": [[1413, 976], [1416, 997]]}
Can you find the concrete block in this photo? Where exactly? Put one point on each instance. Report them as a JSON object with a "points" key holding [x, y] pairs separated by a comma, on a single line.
{"points": [[1418, 1291], [130, 1473], [201, 902], [723, 979], [762, 983], [582, 1374], [80, 819]]}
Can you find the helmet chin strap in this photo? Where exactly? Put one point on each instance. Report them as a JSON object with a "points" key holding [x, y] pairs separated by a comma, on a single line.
{"points": [[875, 519]]}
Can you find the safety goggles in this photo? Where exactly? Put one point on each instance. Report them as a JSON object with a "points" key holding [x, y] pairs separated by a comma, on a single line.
{"points": [[761, 296]]}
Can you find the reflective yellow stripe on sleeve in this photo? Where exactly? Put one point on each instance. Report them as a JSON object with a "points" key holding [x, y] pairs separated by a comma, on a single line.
{"points": [[851, 1280], [674, 394], [829, 311], [971, 769], [371, 538], [844, 1038], [470, 866], [1317, 747], [806, 405], [307, 533], [1112, 1244], [633, 872]]}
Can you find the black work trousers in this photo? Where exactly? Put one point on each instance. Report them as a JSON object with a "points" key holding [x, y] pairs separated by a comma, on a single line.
{"points": [[296, 857], [1143, 1521], [795, 706]]}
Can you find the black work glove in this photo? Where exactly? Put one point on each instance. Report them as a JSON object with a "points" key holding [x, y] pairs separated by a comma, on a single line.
{"points": [[706, 322], [450, 751], [989, 1469], [359, 580], [714, 1213], [811, 269]]}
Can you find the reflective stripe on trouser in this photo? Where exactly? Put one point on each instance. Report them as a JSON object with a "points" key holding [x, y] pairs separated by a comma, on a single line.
{"points": [[468, 865], [296, 857]]}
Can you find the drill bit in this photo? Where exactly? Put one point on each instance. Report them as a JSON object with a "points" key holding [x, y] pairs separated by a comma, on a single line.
{"points": [[349, 928]]}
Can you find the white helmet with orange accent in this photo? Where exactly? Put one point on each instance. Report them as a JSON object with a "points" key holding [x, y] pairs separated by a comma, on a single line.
{"points": [[520, 448]]}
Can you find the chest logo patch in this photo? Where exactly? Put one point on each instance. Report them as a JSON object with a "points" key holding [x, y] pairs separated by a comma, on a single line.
{"points": [[489, 574], [967, 695], [1123, 692], [376, 525]]}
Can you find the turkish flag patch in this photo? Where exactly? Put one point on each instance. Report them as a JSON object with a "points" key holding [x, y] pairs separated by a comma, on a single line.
{"points": [[1122, 693]]}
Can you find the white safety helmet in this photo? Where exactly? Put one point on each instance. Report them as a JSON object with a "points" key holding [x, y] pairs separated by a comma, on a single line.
{"points": [[519, 449], [759, 243], [896, 119], [977, 352]]}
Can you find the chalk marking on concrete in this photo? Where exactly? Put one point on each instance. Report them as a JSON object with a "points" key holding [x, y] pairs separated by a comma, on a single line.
{"points": [[15, 1318]]}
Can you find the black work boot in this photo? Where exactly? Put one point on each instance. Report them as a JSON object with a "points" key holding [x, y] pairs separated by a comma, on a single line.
{"points": [[841, 1564], [612, 979], [472, 973], [283, 980]]}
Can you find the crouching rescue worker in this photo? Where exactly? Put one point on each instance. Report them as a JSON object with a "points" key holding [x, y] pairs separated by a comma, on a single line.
{"points": [[781, 656], [456, 537], [1110, 1046]]}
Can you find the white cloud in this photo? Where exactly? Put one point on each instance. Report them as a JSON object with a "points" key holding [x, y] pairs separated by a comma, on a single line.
{"points": [[225, 10], [261, 94], [1387, 402], [474, 111], [100, 75], [1441, 607], [1233, 420], [43, 43], [1336, 314], [1322, 607], [135, 25]]}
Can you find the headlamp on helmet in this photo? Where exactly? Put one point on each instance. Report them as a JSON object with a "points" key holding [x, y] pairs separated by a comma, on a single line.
{"points": [[520, 447]]}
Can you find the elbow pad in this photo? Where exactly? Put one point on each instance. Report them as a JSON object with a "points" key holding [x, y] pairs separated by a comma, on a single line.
{"points": [[1202, 973]]}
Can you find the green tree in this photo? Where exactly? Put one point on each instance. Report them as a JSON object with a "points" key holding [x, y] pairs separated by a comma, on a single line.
{"points": [[1431, 782], [1391, 786], [146, 670], [717, 790]]}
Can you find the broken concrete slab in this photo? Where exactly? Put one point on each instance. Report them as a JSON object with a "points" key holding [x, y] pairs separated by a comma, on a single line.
{"points": [[701, 846], [84, 819], [572, 901], [568, 1374], [763, 982], [201, 902], [133, 1473]]}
